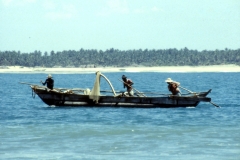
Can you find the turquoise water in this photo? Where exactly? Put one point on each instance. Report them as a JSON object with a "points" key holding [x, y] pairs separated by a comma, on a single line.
{"points": [[29, 129]]}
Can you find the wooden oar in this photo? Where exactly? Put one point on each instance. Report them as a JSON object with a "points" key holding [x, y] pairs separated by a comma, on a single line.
{"points": [[193, 93], [132, 88], [215, 104]]}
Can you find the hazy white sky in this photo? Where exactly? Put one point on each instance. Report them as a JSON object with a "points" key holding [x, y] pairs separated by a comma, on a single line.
{"points": [[46, 25]]}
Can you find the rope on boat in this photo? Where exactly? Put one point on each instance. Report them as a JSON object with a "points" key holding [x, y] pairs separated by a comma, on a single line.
{"points": [[33, 91]]}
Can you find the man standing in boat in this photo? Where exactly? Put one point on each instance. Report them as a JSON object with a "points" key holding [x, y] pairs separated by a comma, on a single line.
{"points": [[128, 83], [49, 81], [173, 87]]}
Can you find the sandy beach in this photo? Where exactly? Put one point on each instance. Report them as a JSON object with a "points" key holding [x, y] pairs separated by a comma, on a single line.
{"points": [[213, 68]]}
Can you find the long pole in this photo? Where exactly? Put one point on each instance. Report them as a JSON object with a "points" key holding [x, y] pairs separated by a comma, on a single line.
{"points": [[185, 89], [28, 83]]}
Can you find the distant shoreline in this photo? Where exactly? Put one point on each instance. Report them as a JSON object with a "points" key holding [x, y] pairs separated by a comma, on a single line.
{"points": [[213, 68]]}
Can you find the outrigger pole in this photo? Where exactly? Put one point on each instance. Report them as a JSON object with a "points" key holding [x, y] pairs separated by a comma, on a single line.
{"points": [[109, 84]]}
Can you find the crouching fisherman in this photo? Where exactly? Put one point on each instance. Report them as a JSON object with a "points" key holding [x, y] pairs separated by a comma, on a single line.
{"points": [[127, 83], [49, 81], [173, 87]]}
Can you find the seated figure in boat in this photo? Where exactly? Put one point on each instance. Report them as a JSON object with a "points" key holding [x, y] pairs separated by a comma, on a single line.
{"points": [[49, 81], [173, 87], [128, 83]]}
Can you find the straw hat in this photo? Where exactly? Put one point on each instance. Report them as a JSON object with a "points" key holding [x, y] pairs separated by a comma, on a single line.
{"points": [[169, 80], [49, 76]]}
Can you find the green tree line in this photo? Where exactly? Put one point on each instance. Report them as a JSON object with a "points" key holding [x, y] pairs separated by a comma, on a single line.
{"points": [[121, 58]]}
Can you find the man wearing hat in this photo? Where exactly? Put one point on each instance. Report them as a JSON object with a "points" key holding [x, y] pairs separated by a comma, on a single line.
{"points": [[173, 87], [49, 81], [128, 83]]}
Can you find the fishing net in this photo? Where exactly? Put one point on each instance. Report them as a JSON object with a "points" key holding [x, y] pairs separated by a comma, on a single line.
{"points": [[95, 93]]}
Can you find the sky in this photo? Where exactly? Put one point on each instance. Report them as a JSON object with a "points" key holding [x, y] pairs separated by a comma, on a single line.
{"points": [[58, 25]]}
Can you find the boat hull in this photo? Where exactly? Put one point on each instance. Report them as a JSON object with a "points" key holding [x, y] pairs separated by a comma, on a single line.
{"points": [[57, 98]]}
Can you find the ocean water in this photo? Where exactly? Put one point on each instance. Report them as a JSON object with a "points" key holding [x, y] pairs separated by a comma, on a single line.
{"points": [[29, 129]]}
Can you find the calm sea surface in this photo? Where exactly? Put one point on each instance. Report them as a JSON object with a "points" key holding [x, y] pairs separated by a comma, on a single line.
{"points": [[29, 129]]}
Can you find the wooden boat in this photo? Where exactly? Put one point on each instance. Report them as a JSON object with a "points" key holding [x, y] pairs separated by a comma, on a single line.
{"points": [[97, 98]]}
